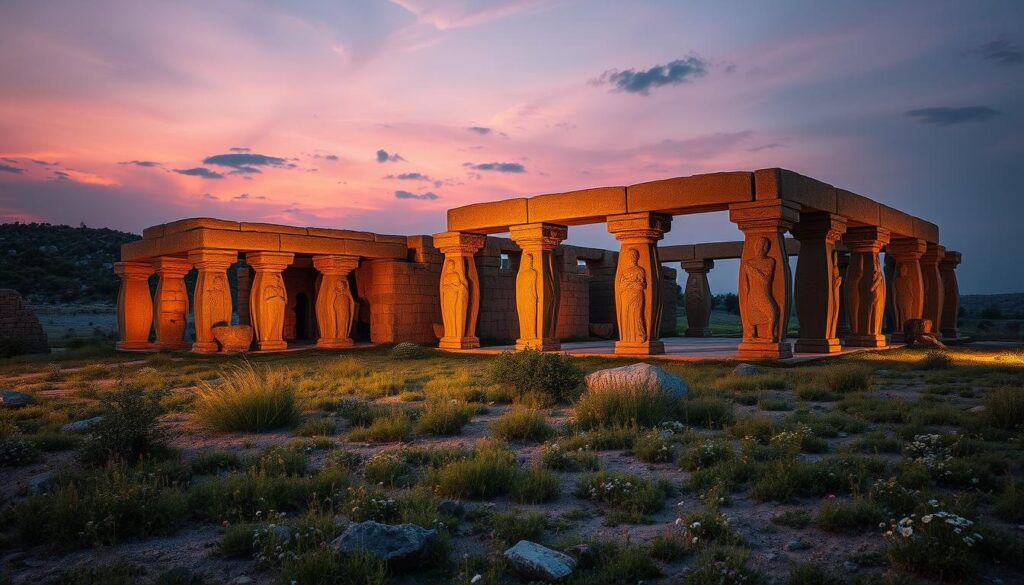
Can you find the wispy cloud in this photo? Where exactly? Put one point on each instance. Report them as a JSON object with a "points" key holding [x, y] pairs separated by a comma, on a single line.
{"points": [[1001, 52], [481, 130], [944, 116], [383, 156], [6, 168], [428, 196], [499, 167], [246, 163], [140, 163], [643, 81], [409, 177], [202, 172]]}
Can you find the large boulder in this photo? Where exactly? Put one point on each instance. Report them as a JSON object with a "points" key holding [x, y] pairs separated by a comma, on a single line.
{"points": [[637, 375], [536, 562], [14, 399], [394, 543]]}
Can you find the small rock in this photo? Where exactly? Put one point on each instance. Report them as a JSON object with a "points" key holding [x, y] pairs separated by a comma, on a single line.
{"points": [[795, 545], [745, 369], [80, 426], [450, 508], [977, 409], [41, 483], [637, 375], [850, 567], [842, 434], [534, 561], [397, 544], [13, 399], [241, 580]]}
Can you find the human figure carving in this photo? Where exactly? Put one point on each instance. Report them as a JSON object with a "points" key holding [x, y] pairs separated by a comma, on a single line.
{"points": [[454, 299], [547, 328], [905, 297], [272, 316], [527, 298], [761, 308], [218, 311], [632, 287], [342, 309], [834, 289], [877, 307]]}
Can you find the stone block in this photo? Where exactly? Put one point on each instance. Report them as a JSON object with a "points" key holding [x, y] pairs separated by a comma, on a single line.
{"points": [[857, 208], [897, 222], [778, 183], [577, 207], [707, 192], [488, 218], [272, 228], [339, 234], [926, 230]]}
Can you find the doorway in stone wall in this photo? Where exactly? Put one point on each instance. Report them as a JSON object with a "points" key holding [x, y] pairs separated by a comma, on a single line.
{"points": [[302, 316]]}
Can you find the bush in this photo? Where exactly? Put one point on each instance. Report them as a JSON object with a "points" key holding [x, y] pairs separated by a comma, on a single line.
{"points": [[490, 472], [248, 495], [409, 351], [545, 378], [1004, 407], [324, 566], [128, 429], [627, 406], [846, 378], [774, 404], [16, 452], [634, 496], [388, 468], [814, 393], [786, 480], [617, 563], [724, 566], [1010, 506], [316, 427], [444, 417], [522, 424], [798, 518], [812, 574], [396, 426], [707, 412], [602, 439], [558, 458], [650, 447], [858, 514], [937, 544], [248, 399], [706, 453], [536, 486], [512, 526]]}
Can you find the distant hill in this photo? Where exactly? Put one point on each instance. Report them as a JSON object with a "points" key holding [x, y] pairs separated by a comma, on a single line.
{"points": [[58, 263], [1000, 306]]}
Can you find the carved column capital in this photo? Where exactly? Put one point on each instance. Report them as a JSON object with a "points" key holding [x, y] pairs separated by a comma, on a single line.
{"points": [[697, 265], [543, 236], [133, 270], [933, 254], [171, 266], [462, 243], [819, 226], [212, 259], [906, 249], [269, 261], [866, 238], [951, 260], [335, 264], [639, 227], [775, 215]]}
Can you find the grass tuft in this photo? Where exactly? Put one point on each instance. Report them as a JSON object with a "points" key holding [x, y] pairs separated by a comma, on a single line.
{"points": [[248, 399]]}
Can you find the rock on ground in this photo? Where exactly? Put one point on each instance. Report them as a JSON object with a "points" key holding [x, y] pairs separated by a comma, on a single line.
{"points": [[12, 399], [394, 543], [638, 375], [746, 370], [534, 561], [80, 426]]}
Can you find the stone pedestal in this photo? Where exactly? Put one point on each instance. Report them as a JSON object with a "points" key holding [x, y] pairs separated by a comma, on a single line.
{"points": [[537, 285], [843, 326], [818, 281], [697, 297], [336, 308], [134, 305], [212, 296], [907, 283], [268, 298], [865, 287], [638, 282], [950, 295], [170, 311], [765, 287], [932, 280], [459, 289]]}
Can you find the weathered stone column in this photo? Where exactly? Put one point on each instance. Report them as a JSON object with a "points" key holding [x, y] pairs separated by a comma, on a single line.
{"points": [[890, 274], [697, 297], [865, 286], [950, 295], [765, 286], [907, 283], [134, 304], [932, 280], [170, 313], [843, 327], [818, 281], [460, 288], [212, 296], [638, 281], [268, 298], [336, 308], [537, 284]]}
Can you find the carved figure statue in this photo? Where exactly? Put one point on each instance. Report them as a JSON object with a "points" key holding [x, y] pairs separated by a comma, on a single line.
{"points": [[527, 298], [762, 311], [551, 300], [454, 299], [834, 291], [218, 309], [905, 297], [271, 318], [632, 287], [342, 309], [877, 308]]}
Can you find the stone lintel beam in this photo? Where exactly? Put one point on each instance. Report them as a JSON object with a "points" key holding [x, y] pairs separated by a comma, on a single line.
{"points": [[268, 297], [818, 281], [171, 304], [907, 282], [765, 286], [212, 295], [537, 284], [865, 286], [134, 304], [950, 295], [697, 297], [459, 288], [933, 290], [638, 304], [336, 308]]}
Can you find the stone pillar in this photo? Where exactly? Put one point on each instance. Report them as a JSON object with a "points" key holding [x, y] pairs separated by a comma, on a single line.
{"points": [[890, 274], [134, 305], [460, 289], [950, 295], [907, 282], [765, 286], [638, 282], [244, 277], [818, 281], [865, 286], [170, 311], [932, 280], [843, 327], [537, 284], [268, 298], [336, 308], [212, 296], [697, 297]]}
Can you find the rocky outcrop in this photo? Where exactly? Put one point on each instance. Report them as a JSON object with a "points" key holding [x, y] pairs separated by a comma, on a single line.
{"points": [[533, 561], [637, 376], [396, 544]]}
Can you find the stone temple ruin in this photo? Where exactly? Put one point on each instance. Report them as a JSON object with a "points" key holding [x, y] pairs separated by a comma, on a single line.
{"points": [[302, 286]]}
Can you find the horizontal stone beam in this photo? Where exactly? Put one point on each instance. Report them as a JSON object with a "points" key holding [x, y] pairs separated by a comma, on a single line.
{"points": [[713, 251]]}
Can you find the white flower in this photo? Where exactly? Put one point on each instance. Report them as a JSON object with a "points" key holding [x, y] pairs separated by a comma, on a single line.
{"points": [[906, 531], [476, 578], [926, 519]]}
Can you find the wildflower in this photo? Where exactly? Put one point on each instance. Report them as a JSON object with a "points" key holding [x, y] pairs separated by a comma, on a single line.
{"points": [[476, 578]]}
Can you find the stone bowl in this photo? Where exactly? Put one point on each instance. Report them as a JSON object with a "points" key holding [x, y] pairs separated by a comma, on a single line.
{"points": [[233, 338]]}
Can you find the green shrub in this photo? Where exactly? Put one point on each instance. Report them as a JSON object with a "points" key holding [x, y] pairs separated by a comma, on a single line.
{"points": [[651, 447], [243, 496], [282, 461], [706, 453], [814, 392], [444, 417], [561, 459], [843, 378], [774, 404], [248, 399], [55, 441], [724, 566], [857, 514], [545, 378], [236, 542], [16, 452], [396, 426], [616, 563], [324, 566], [669, 547], [316, 427], [893, 497], [624, 406], [1004, 407], [786, 480], [602, 439], [409, 351], [759, 428], [522, 424], [1010, 505], [215, 462], [937, 544], [511, 526], [389, 469], [536, 486], [707, 412], [632, 495], [128, 429], [490, 472]]}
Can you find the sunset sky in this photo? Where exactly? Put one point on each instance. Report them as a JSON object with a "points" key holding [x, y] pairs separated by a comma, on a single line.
{"points": [[380, 115]]}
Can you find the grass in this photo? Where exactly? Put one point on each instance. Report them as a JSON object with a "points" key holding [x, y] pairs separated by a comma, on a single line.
{"points": [[845, 378], [444, 417], [488, 473], [797, 518], [651, 447], [632, 496], [248, 398], [389, 428], [857, 514], [522, 424], [1004, 407], [628, 406], [707, 412]]}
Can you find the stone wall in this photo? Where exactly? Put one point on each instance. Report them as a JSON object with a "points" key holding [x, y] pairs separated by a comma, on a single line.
{"points": [[402, 298], [20, 330]]}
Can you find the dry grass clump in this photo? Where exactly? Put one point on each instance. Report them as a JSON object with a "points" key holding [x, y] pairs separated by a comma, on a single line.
{"points": [[1004, 407], [624, 407], [843, 378], [248, 399], [522, 424]]}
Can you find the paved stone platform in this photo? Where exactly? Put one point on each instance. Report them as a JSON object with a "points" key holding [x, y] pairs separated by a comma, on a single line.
{"points": [[676, 348]]}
